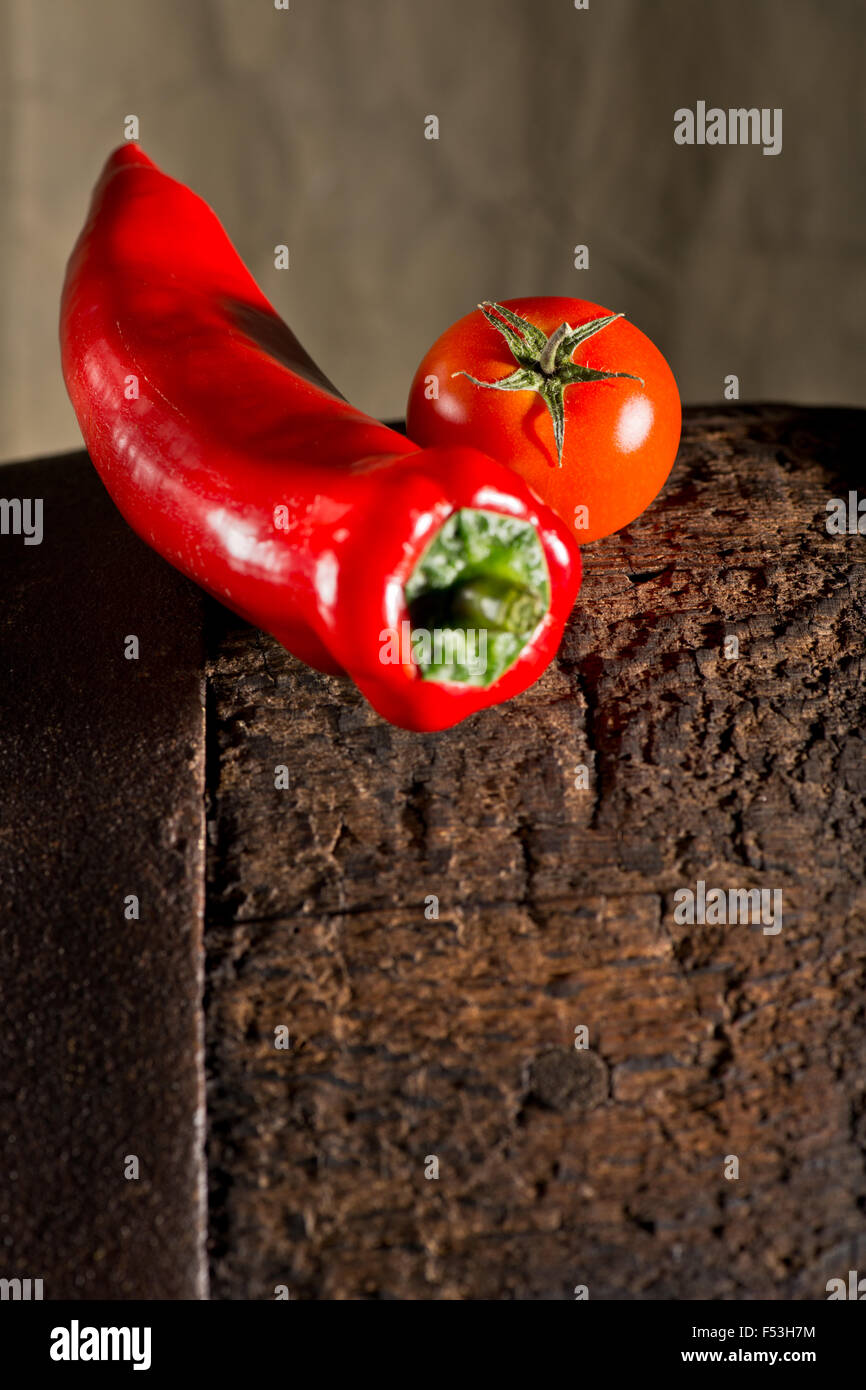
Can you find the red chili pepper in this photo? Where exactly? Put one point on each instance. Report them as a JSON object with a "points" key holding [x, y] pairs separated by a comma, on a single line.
{"points": [[230, 453]]}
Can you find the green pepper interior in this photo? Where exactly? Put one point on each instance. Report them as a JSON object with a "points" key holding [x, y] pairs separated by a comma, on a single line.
{"points": [[476, 596]]}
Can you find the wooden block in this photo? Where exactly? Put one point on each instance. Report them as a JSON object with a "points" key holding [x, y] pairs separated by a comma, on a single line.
{"points": [[453, 1038]]}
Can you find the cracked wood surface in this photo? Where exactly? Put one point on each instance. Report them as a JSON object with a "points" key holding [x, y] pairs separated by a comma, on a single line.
{"points": [[455, 1037]]}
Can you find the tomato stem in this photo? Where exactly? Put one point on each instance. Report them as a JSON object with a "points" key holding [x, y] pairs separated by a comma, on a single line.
{"points": [[545, 364], [547, 360]]}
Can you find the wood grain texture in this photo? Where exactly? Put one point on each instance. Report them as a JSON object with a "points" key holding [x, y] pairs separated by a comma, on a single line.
{"points": [[101, 782], [454, 1037]]}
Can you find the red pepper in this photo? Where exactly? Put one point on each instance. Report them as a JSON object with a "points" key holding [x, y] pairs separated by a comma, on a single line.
{"points": [[230, 453]]}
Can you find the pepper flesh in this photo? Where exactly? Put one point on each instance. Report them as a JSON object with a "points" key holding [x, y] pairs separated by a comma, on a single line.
{"points": [[228, 451]]}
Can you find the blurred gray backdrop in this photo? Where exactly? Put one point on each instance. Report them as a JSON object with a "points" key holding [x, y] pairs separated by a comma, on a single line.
{"points": [[306, 127]]}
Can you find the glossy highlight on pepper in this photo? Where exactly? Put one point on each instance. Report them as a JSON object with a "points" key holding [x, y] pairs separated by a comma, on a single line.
{"points": [[227, 450]]}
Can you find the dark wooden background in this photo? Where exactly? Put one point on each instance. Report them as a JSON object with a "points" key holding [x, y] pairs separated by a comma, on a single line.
{"points": [[453, 1038]]}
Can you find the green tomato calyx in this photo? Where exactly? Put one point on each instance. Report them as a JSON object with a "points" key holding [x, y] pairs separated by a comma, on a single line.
{"points": [[544, 363]]}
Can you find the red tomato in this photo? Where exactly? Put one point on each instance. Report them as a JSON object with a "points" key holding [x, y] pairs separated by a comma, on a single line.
{"points": [[518, 378]]}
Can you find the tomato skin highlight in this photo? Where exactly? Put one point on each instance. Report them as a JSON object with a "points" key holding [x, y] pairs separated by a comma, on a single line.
{"points": [[621, 436]]}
